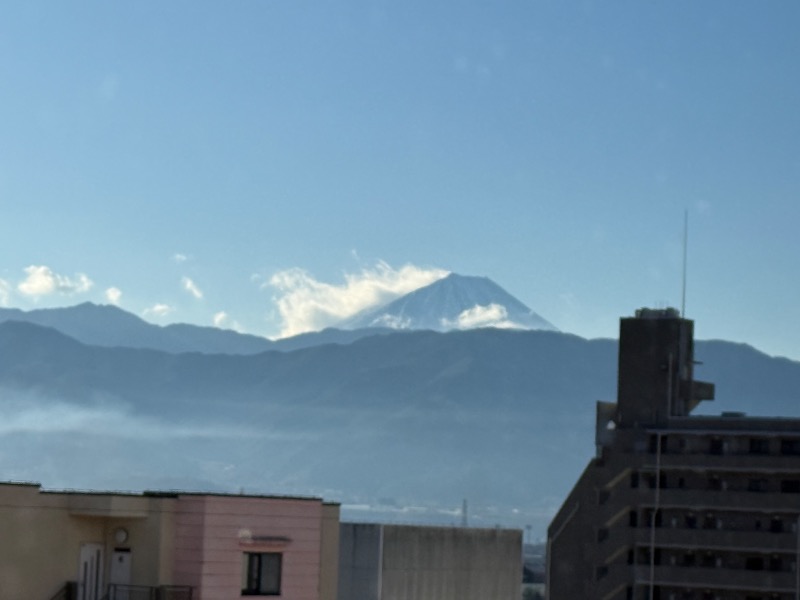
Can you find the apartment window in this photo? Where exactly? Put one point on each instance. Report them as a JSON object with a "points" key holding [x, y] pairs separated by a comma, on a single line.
{"points": [[754, 563], [790, 447], [261, 573], [715, 447], [790, 486], [759, 446], [775, 563]]}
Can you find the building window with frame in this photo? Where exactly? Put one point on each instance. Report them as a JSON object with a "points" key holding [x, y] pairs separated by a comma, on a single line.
{"points": [[261, 573]]}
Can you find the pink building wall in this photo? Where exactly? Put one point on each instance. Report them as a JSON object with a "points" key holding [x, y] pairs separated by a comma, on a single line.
{"points": [[212, 533]]}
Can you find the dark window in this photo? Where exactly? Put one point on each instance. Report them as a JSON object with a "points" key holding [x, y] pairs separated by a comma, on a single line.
{"points": [[754, 563], [635, 479], [790, 486], [650, 518], [633, 519], [759, 446], [261, 574], [776, 526], [757, 485], [716, 446], [790, 446]]}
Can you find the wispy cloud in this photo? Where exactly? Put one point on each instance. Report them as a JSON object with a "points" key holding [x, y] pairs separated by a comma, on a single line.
{"points": [[42, 281], [158, 310], [179, 258], [5, 292], [191, 287], [38, 415], [306, 304], [491, 315], [113, 295], [223, 320]]}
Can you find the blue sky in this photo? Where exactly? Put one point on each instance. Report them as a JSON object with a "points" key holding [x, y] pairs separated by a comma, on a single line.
{"points": [[192, 155]]}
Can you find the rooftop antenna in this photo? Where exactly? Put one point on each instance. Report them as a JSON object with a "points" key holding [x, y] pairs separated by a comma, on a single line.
{"points": [[685, 245]]}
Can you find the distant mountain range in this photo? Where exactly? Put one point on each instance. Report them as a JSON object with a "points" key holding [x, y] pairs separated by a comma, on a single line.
{"points": [[397, 425], [455, 302]]}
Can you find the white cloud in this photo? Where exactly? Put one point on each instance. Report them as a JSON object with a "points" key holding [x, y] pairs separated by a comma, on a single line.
{"points": [[191, 287], [113, 295], [179, 258], [392, 321], [5, 292], [158, 310], [223, 320], [306, 304], [41, 281], [491, 315]]}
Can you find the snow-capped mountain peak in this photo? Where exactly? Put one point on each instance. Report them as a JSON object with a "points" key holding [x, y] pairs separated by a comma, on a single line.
{"points": [[454, 302]]}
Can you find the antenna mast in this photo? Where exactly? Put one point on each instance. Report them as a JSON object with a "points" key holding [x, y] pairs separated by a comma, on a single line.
{"points": [[685, 245]]}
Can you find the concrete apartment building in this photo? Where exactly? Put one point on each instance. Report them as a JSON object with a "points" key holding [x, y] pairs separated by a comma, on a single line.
{"points": [[402, 562], [675, 506]]}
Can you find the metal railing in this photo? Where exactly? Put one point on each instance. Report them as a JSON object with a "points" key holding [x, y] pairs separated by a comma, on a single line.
{"points": [[142, 592], [68, 592]]}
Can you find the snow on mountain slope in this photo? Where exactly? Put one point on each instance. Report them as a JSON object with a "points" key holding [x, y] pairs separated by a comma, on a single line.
{"points": [[455, 302]]}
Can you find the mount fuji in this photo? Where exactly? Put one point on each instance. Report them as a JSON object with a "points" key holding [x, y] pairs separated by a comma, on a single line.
{"points": [[454, 302]]}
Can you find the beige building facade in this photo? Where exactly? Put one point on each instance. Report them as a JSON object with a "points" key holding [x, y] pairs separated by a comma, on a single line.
{"points": [[176, 546], [676, 506]]}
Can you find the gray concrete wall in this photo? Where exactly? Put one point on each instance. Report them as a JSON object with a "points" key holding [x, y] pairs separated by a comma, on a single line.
{"points": [[448, 563], [359, 561]]}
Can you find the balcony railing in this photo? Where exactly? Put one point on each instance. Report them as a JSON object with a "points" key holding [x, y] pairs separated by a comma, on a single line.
{"points": [[68, 592], [143, 592]]}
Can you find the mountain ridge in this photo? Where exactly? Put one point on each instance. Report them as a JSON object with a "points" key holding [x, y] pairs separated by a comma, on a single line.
{"points": [[423, 417]]}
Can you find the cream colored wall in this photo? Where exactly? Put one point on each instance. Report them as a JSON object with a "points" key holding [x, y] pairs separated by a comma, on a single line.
{"points": [[42, 533], [329, 567], [150, 541], [40, 545]]}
